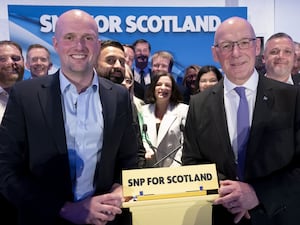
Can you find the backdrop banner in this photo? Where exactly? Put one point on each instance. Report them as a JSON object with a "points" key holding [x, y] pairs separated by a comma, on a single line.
{"points": [[186, 32]]}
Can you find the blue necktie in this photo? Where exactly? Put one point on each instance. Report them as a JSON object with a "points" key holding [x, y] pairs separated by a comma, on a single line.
{"points": [[243, 128]]}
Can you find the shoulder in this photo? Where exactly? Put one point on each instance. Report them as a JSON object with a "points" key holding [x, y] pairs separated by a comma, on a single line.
{"points": [[270, 84], [182, 107], [148, 108], [112, 91], [32, 85]]}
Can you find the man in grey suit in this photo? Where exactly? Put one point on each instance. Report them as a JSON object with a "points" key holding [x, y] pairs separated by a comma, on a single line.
{"points": [[65, 138], [261, 186]]}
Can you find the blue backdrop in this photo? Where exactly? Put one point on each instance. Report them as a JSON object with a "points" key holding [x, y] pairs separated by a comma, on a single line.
{"points": [[186, 32]]}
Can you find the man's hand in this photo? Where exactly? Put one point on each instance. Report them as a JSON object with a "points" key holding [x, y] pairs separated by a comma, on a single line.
{"points": [[237, 197], [97, 210]]}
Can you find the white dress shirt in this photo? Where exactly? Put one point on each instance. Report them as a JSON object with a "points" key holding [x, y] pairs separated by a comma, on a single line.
{"points": [[231, 102]]}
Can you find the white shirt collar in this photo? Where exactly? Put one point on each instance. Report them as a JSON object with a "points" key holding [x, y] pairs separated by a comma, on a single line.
{"points": [[250, 84]]}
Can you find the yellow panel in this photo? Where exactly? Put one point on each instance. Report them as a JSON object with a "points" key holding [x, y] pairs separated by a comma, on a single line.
{"points": [[169, 180]]}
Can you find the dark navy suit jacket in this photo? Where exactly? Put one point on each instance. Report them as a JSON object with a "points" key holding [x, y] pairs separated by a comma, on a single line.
{"points": [[34, 165]]}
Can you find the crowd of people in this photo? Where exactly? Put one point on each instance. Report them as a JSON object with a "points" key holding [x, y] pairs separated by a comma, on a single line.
{"points": [[65, 138]]}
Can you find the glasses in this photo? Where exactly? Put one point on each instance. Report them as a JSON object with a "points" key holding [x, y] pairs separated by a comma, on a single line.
{"points": [[227, 46], [128, 81]]}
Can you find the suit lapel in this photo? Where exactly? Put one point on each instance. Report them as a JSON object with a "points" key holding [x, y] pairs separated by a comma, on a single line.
{"points": [[50, 100], [262, 111], [166, 123], [108, 109], [149, 119], [219, 115]]}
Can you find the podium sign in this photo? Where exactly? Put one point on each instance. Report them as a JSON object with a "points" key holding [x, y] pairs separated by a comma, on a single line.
{"points": [[182, 180], [171, 195]]}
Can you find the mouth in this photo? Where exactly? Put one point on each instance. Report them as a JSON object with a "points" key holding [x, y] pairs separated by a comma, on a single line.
{"points": [[237, 64], [78, 56], [117, 74], [39, 69], [163, 94]]}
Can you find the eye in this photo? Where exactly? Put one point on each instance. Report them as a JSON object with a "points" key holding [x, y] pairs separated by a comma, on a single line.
{"points": [[244, 43], [122, 62], [226, 45], [288, 52], [111, 60], [274, 51], [69, 37], [89, 37], [2, 59]]}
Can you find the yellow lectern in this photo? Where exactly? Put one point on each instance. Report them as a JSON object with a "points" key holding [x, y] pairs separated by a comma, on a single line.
{"points": [[170, 195]]}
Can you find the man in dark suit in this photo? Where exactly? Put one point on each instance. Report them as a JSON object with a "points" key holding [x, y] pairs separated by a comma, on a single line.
{"points": [[141, 70], [260, 186], [279, 58], [65, 138]]}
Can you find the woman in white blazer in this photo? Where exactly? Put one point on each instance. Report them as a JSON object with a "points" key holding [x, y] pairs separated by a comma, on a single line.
{"points": [[163, 122]]}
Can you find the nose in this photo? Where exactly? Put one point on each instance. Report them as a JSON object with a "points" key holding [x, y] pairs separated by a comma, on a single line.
{"points": [[80, 43], [10, 60], [236, 50], [117, 63]]}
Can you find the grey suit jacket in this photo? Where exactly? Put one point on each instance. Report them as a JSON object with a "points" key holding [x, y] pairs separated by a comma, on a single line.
{"points": [[34, 171], [273, 153]]}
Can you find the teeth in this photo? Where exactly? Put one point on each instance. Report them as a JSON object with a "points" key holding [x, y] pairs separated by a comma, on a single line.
{"points": [[78, 56]]}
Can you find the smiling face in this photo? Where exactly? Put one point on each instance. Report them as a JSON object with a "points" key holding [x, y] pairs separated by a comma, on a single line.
{"points": [[11, 65], [160, 64], [207, 80], [279, 56], [111, 64], [38, 62], [142, 53], [163, 89], [237, 64], [76, 42]]}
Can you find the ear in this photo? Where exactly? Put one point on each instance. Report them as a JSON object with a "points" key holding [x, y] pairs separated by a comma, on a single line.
{"points": [[214, 54], [263, 58], [27, 65], [54, 41], [257, 47]]}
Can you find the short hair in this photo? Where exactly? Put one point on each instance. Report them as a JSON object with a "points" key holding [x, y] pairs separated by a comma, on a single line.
{"points": [[7, 42], [128, 46], [112, 43], [206, 69], [140, 41], [176, 96], [165, 55], [280, 35], [37, 46]]}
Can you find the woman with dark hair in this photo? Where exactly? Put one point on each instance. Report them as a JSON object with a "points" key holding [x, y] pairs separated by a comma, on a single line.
{"points": [[208, 76], [163, 122]]}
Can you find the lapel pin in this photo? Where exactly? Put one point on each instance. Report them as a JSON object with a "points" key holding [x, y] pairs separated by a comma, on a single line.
{"points": [[265, 98]]}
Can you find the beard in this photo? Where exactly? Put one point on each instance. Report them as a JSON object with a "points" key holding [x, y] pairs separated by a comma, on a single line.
{"points": [[116, 79], [141, 61], [190, 84], [114, 74]]}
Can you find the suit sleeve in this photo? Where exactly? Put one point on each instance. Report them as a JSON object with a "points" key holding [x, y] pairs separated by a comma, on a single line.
{"points": [[35, 200]]}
